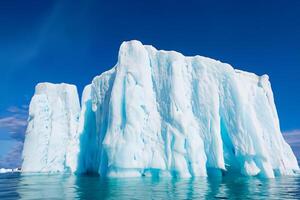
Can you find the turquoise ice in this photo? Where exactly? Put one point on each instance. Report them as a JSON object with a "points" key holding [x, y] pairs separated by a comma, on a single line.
{"points": [[159, 113]]}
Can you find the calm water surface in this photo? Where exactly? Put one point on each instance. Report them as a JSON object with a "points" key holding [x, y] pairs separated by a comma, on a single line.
{"points": [[17, 186]]}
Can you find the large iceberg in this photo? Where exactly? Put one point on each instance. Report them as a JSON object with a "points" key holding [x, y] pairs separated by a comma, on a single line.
{"points": [[159, 113]]}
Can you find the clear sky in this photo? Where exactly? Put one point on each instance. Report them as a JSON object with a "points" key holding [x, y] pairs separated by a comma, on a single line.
{"points": [[73, 41]]}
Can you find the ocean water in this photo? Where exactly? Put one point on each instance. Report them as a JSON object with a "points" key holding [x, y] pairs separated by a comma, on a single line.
{"points": [[55, 186]]}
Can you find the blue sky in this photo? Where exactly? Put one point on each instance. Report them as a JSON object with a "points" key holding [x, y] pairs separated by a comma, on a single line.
{"points": [[72, 41]]}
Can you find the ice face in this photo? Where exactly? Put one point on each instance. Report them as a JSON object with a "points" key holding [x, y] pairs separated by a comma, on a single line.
{"points": [[185, 116], [51, 142], [159, 113]]}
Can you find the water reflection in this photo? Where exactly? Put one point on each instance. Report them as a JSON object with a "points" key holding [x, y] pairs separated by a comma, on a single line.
{"points": [[47, 186], [93, 187]]}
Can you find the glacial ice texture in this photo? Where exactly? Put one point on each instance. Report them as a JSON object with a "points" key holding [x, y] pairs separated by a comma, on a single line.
{"points": [[51, 142], [159, 113]]}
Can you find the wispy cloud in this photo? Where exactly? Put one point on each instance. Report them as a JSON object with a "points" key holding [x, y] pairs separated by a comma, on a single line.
{"points": [[18, 110], [293, 138], [15, 122], [13, 158]]}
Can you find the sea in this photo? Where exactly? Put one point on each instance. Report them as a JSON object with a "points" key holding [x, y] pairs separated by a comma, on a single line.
{"points": [[67, 186]]}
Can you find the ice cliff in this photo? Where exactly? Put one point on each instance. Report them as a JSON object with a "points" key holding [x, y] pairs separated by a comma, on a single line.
{"points": [[159, 113], [51, 142]]}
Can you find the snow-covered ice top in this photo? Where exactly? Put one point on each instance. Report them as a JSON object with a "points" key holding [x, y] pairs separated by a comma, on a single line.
{"points": [[161, 113]]}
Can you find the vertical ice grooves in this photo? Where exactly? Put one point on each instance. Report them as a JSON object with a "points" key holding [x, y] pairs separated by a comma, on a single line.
{"points": [[51, 140], [160, 113]]}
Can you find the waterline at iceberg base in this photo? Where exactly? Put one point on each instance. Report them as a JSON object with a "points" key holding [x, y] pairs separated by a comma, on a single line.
{"points": [[159, 113], [67, 186]]}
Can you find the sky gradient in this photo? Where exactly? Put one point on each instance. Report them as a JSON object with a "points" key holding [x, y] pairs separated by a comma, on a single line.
{"points": [[73, 41]]}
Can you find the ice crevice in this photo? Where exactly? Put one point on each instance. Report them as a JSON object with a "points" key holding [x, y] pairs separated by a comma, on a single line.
{"points": [[159, 113]]}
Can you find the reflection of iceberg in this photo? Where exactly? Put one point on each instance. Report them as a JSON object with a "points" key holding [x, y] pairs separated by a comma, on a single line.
{"points": [[159, 113], [64, 186], [41, 186]]}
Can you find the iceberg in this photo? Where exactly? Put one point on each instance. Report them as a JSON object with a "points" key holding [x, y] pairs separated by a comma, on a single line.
{"points": [[159, 113], [51, 142], [4, 170]]}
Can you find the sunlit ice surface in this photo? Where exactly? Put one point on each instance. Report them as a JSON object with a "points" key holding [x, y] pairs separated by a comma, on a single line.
{"points": [[67, 186]]}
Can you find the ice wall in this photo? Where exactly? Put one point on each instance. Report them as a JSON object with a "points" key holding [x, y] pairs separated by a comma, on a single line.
{"points": [[51, 142], [159, 113]]}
